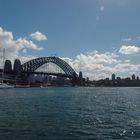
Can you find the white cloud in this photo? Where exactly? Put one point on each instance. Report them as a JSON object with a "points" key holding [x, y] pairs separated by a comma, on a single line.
{"points": [[102, 8], [126, 39], [94, 65], [97, 65], [129, 49], [126, 67], [105, 58], [25, 58], [14, 46], [22, 42], [38, 36]]}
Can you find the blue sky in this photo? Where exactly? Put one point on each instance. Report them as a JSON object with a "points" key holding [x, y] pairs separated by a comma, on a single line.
{"points": [[76, 28]]}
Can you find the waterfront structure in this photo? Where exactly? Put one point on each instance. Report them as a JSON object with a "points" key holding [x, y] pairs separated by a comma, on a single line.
{"points": [[133, 77], [26, 74], [113, 77], [21, 72], [32, 65], [118, 81], [7, 66], [80, 78]]}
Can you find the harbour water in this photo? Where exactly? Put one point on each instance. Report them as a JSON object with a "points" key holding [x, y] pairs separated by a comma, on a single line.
{"points": [[70, 113]]}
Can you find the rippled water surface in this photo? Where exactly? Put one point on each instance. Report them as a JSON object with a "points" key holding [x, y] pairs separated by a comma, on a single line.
{"points": [[70, 113]]}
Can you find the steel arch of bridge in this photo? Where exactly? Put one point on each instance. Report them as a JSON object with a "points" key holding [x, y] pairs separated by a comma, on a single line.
{"points": [[34, 64]]}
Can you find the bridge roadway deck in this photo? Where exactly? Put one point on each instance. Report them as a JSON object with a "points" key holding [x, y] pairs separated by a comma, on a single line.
{"points": [[45, 73]]}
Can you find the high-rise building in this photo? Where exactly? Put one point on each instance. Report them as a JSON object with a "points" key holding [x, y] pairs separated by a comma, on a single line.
{"points": [[113, 77], [133, 77], [80, 78]]}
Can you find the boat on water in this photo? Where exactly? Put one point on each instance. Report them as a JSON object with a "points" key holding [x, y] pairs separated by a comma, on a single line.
{"points": [[5, 86], [43, 86]]}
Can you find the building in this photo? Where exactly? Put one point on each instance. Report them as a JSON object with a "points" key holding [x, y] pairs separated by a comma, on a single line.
{"points": [[133, 77], [113, 77]]}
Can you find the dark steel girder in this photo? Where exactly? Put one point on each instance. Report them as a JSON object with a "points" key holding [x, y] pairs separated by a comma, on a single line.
{"points": [[34, 64]]}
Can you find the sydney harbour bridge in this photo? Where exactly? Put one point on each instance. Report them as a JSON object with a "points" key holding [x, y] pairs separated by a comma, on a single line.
{"points": [[39, 66]]}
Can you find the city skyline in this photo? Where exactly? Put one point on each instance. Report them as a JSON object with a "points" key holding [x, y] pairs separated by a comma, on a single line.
{"points": [[97, 37]]}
